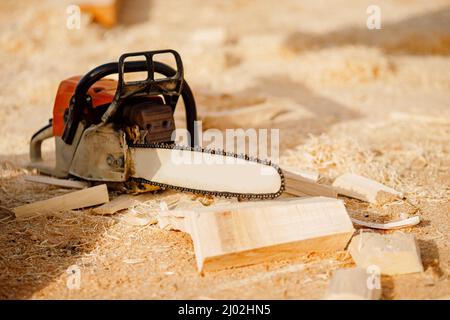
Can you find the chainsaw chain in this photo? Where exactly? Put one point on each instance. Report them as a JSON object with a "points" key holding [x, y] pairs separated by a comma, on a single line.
{"points": [[253, 196]]}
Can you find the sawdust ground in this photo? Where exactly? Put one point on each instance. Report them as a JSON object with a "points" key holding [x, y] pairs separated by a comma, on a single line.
{"points": [[346, 99]]}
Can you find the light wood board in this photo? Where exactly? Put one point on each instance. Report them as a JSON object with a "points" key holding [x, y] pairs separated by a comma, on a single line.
{"points": [[253, 232], [297, 184], [74, 200], [57, 182]]}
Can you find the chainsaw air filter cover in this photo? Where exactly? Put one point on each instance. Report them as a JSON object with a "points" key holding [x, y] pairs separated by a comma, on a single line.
{"points": [[153, 119]]}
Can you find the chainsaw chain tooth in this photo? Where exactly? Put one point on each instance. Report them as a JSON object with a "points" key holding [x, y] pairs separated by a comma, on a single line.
{"points": [[173, 146]]}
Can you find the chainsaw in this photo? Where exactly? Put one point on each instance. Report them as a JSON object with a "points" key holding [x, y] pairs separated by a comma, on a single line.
{"points": [[120, 131]]}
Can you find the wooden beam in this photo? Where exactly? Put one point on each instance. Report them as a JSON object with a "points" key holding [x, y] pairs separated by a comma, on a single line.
{"points": [[57, 182], [75, 200], [355, 186], [354, 284], [252, 232], [393, 254]]}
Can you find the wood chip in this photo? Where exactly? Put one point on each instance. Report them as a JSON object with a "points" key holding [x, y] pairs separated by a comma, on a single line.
{"points": [[173, 220], [138, 219], [354, 284], [409, 222]]}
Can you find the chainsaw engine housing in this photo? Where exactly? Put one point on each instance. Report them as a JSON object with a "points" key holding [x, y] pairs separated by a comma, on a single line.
{"points": [[148, 121]]}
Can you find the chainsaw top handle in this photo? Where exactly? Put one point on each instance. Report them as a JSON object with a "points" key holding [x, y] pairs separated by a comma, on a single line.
{"points": [[170, 88]]}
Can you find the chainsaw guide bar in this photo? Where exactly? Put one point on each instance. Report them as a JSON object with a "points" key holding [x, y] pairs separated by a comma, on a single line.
{"points": [[244, 157]]}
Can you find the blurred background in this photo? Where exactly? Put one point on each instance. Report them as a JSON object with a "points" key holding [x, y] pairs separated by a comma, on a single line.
{"points": [[308, 65], [346, 98]]}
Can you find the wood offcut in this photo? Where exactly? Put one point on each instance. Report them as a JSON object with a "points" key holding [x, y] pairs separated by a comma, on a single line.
{"points": [[355, 186], [396, 253], [64, 183], [249, 233], [299, 185], [74, 200]]}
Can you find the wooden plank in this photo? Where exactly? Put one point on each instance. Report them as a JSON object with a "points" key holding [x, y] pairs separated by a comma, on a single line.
{"points": [[302, 188], [75, 200], [57, 182], [354, 284], [409, 222], [355, 186], [293, 173], [393, 254], [252, 232], [122, 202], [298, 185]]}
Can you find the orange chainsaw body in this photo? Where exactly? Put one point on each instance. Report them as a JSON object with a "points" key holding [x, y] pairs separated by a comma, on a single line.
{"points": [[102, 92], [96, 118]]}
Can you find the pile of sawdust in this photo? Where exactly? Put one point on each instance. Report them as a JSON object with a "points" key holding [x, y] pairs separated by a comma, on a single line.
{"points": [[37, 250]]}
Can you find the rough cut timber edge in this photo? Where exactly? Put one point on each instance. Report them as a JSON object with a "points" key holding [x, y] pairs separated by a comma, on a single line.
{"points": [[276, 252]]}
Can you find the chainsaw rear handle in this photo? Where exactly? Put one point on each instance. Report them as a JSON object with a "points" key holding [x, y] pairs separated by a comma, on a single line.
{"points": [[79, 100], [36, 142]]}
